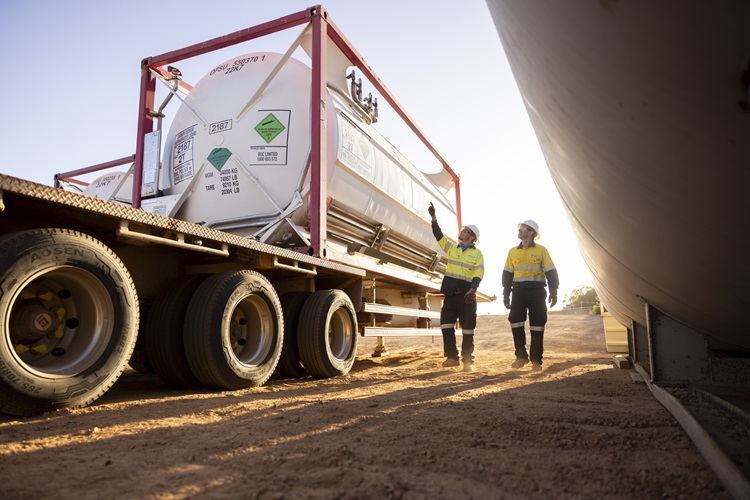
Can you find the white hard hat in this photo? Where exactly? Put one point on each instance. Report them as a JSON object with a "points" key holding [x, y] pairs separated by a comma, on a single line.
{"points": [[475, 230], [533, 225]]}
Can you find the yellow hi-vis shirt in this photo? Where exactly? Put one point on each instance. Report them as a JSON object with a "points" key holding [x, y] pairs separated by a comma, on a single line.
{"points": [[465, 268], [529, 267]]}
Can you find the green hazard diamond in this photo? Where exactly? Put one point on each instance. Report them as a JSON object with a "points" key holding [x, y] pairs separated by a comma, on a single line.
{"points": [[269, 128], [219, 157]]}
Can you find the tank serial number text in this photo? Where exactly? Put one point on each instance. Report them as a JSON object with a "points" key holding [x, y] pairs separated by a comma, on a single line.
{"points": [[237, 65]]}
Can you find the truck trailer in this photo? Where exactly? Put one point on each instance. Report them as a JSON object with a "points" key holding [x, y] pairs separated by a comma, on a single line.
{"points": [[263, 233]]}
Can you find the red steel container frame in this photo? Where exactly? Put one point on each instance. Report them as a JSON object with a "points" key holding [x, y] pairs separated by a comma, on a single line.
{"points": [[322, 29]]}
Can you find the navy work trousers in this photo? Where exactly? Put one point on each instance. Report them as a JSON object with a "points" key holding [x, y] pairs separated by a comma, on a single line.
{"points": [[532, 300], [454, 309]]}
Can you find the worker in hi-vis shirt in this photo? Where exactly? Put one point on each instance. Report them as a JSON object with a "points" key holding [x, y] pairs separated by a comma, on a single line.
{"points": [[463, 274], [527, 270]]}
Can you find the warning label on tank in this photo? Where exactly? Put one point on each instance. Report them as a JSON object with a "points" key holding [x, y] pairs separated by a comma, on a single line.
{"points": [[219, 157], [269, 128], [270, 146], [355, 148], [182, 155]]}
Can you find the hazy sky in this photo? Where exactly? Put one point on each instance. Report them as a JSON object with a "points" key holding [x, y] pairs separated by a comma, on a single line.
{"points": [[69, 96]]}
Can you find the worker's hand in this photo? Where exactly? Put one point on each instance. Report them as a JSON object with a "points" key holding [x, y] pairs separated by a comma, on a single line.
{"points": [[552, 300], [506, 301], [431, 210], [471, 296]]}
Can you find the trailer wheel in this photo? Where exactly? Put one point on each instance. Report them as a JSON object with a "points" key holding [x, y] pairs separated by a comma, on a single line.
{"points": [[139, 360], [327, 334], [290, 364], [68, 320], [234, 331], [165, 342]]}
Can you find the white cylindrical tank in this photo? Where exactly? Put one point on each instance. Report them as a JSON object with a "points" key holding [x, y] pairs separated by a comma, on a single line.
{"points": [[242, 151], [112, 186]]}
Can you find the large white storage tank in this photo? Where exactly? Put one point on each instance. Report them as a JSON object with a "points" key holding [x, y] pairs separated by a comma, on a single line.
{"points": [[238, 151]]}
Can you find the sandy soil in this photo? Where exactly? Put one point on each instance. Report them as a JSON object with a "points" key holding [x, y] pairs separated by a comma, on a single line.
{"points": [[399, 426]]}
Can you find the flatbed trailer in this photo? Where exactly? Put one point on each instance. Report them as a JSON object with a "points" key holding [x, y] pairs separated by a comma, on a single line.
{"points": [[89, 286]]}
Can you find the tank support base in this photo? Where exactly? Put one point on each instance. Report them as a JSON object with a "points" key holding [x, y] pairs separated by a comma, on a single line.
{"points": [[680, 354], [380, 349]]}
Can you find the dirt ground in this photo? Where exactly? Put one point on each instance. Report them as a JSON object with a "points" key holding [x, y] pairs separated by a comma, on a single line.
{"points": [[398, 426]]}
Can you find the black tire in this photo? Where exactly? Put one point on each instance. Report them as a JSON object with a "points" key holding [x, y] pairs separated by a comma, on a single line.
{"points": [[68, 320], [327, 334], [139, 360], [290, 364], [165, 333], [234, 331]]}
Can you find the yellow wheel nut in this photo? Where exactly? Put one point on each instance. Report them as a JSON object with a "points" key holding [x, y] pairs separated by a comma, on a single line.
{"points": [[39, 348], [20, 348], [60, 312], [57, 334]]}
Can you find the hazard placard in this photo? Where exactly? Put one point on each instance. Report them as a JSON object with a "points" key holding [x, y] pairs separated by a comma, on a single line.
{"points": [[219, 157], [270, 146], [269, 127]]}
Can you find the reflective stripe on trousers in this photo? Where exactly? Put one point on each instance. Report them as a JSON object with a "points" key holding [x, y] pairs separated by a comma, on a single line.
{"points": [[455, 309]]}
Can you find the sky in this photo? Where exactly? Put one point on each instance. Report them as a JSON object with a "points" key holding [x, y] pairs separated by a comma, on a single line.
{"points": [[71, 69]]}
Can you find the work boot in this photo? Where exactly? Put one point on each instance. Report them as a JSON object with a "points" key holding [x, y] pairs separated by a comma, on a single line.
{"points": [[519, 363], [450, 363], [468, 367], [536, 367]]}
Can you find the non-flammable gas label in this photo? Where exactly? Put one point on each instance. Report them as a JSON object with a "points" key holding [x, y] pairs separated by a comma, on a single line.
{"points": [[219, 157], [269, 128], [271, 145]]}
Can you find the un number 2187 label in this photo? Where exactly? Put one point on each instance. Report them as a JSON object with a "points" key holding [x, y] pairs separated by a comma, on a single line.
{"points": [[221, 126]]}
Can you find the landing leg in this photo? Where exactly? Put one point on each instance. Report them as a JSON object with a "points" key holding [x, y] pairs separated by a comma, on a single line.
{"points": [[380, 349]]}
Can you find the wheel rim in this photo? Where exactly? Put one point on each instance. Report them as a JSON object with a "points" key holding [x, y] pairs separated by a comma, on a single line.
{"points": [[60, 322], [340, 334], [251, 330]]}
